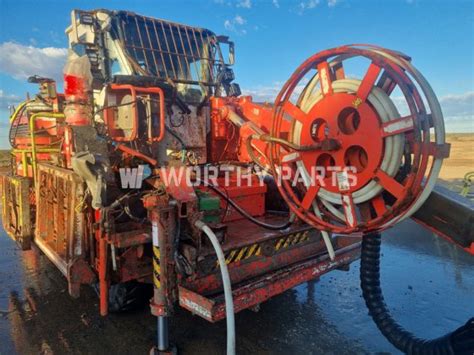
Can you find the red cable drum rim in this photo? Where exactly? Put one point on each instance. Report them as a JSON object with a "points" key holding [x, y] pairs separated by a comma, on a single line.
{"points": [[421, 146]]}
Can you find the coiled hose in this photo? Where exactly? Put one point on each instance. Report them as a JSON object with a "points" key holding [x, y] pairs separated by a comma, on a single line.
{"points": [[461, 341]]}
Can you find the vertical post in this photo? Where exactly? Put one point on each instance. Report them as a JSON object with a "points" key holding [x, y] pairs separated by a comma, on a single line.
{"points": [[164, 278], [158, 296], [103, 285]]}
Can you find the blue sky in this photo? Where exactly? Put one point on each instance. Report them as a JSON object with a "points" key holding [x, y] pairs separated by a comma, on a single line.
{"points": [[272, 38]]}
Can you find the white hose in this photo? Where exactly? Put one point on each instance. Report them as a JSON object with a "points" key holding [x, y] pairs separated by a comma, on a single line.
{"points": [[317, 212], [393, 144], [229, 303]]}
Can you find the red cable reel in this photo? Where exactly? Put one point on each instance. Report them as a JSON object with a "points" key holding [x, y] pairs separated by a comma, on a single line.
{"points": [[385, 164]]}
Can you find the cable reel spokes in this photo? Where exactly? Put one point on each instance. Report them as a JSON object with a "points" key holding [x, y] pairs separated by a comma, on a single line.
{"points": [[385, 162]]}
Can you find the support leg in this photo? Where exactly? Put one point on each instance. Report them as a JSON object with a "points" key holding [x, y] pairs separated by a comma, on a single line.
{"points": [[162, 333], [163, 233]]}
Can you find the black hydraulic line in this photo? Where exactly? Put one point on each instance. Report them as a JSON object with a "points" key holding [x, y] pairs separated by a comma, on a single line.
{"points": [[461, 341], [178, 138], [248, 143], [116, 106], [245, 213]]}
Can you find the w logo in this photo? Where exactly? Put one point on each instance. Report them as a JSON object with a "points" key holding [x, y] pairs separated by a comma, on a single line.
{"points": [[131, 178]]}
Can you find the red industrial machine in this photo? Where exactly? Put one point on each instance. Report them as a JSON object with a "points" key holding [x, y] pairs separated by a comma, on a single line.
{"points": [[152, 168]]}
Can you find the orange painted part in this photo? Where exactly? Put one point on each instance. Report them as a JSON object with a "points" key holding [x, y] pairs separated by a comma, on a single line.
{"points": [[177, 188], [260, 289], [228, 145], [68, 146], [224, 137], [103, 284], [134, 90], [137, 154], [336, 113], [77, 114], [104, 288], [402, 191], [19, 170], [470, 249], [48, 125], [250, 196], [45, 140], [258, 145]]}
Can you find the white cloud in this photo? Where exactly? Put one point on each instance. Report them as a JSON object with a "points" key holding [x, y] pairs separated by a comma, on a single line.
{"points": [[7, 100], [268, 93], [263, 93], [235, 25], [332, 3], [458, 105], [307, 5], [239, 20], [247, 4], [276, 4], [20, 61], [454, 106]]}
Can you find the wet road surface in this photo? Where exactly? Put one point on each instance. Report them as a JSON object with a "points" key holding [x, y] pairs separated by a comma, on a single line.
{"points": [[428, 285]]}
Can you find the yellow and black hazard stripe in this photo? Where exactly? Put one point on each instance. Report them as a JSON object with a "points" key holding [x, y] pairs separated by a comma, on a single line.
{"points": [[156, 267], [292, 239], [255, 249], [243, 253]]}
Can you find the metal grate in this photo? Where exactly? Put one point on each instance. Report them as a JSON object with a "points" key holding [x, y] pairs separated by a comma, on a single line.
{"points": [[168, 50]]}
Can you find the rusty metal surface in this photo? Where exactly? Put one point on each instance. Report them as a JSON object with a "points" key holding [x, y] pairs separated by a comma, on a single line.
{"points": [[165, 278], [267, 286], [60, 230], [17, 209], [243, 232], [130, 238], [60, 222], [251, 251]]}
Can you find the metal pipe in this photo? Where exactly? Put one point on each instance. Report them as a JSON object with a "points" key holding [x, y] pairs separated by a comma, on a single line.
{"points": [[161, 225], [136, 153], [103, 285], [17, 111], [162, 333]]}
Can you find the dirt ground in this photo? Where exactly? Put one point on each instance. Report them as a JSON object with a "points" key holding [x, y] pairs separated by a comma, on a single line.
{"points": [[461, 160]]}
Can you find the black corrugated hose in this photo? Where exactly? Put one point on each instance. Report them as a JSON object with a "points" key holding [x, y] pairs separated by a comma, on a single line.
{"points": [[461, 341]]}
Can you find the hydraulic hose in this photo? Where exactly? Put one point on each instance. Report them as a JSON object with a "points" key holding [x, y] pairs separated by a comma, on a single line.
{"points": [[229, 303], [461, 341], [245, 213]]}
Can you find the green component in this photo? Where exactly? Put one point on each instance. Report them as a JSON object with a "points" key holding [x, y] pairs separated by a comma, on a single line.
{"points": [[208, 202], [210, 205]]}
